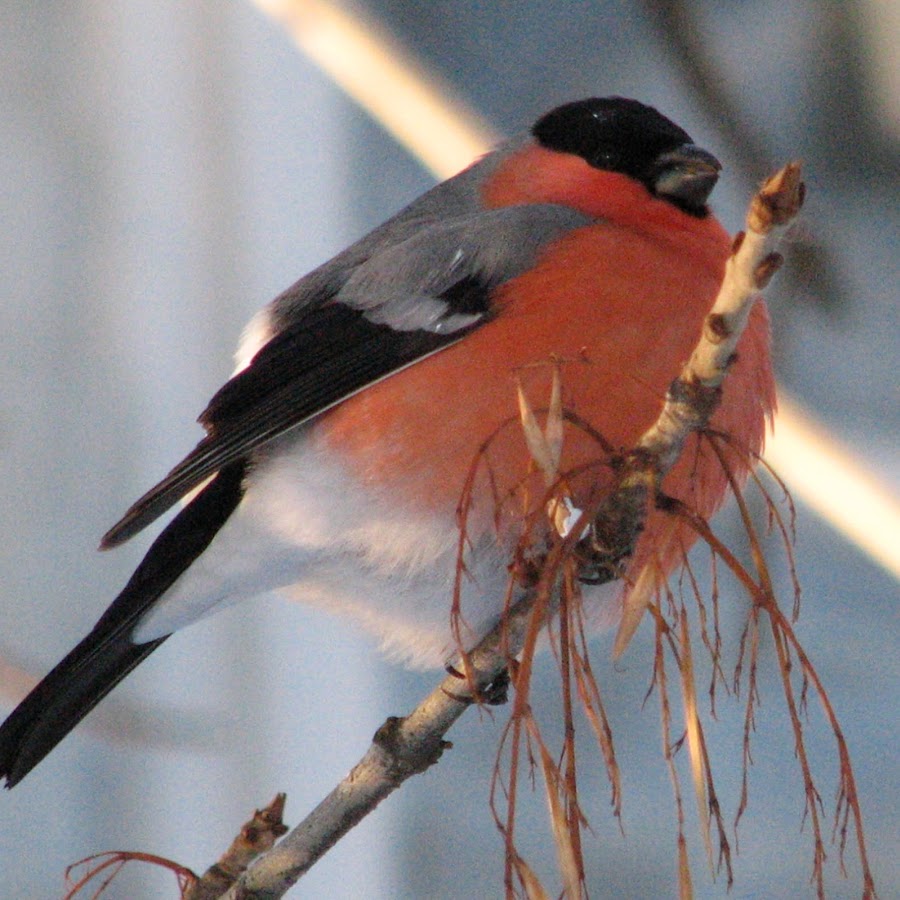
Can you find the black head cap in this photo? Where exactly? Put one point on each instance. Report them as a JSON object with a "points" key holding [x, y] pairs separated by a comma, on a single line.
{"points": [[626, 136]]}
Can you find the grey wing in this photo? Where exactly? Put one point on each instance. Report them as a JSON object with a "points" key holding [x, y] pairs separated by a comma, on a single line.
{"points": [[402, 303]]}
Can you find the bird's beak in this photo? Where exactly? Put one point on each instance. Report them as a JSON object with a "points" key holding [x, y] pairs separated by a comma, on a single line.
{"points": [[686, 176]]}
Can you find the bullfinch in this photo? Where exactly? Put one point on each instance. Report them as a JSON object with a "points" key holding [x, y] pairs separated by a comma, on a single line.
{"points": [[372, 414]]}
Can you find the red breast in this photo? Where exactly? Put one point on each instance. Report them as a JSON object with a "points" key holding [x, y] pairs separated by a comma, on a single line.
{"points": [[620, 303]]}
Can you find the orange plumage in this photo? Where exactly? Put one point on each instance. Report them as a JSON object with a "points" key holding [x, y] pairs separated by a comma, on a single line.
{"points": [[621, 304]]}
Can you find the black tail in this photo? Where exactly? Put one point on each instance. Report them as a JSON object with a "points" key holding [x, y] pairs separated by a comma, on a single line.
{"points": [[64, 698], [108, 654]]}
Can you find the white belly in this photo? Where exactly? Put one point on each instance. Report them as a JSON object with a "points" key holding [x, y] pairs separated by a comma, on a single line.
{"points": [[305, 529]]}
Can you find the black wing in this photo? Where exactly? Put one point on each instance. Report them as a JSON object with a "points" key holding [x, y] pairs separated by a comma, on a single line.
{"points": [[403, 303], [325, 357]]}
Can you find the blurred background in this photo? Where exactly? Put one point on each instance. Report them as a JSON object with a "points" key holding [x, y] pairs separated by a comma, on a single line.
{"points": [[165, 169]]}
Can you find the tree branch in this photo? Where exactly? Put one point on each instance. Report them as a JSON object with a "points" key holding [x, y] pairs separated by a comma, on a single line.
{"points": [[255, 837]]}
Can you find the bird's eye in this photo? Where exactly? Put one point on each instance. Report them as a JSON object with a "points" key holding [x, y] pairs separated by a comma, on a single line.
{"points": [[605, 158]]}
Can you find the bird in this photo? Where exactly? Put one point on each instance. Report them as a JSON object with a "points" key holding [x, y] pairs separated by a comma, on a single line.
{"points": [[365, 456]]}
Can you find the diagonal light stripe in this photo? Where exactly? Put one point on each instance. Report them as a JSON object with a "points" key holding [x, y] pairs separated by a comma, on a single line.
{"points": [[430, 121], [424, 114], [835, 484]]}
